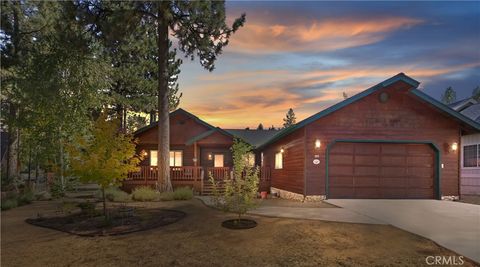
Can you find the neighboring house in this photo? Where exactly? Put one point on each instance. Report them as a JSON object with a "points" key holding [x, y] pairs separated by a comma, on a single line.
{"points": [[469, 149], [389, 141], [198, 150]]}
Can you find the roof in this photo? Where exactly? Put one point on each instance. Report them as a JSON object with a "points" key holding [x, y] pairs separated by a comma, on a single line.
{"points": [[180, 110], [254, 137], [472, 112], [399, 77], [463, 104]]}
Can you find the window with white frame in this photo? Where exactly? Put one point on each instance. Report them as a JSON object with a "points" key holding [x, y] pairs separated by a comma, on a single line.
{"points": [[471, 156], [279, 160], [176, 158]]}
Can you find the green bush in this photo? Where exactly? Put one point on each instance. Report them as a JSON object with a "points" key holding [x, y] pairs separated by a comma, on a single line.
{"points": [[9, 203], [87, 208], [183, 193], [114, 194], [167, 196], [145, 193], [26, 198]]}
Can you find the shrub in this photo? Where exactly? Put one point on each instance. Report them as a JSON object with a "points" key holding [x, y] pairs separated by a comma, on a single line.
{"points": [[167, 196], [114, 194], [183, 193], [145, 193], [9, 203], [26, 198], [87, 208]]}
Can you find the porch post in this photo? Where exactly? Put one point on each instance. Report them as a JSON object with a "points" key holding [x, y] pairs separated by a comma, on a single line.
{"points": [[195, 152]]}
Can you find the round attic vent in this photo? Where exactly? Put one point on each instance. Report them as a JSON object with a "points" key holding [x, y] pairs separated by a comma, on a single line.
{"points": [[383, 97]]}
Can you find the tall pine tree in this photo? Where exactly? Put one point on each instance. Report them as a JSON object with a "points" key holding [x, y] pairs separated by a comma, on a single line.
{"points": [[449, 96], [289, 119]]}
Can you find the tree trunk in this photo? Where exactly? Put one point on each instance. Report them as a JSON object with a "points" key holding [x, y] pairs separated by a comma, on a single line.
{"points": [[163, 104], [104, 203]]}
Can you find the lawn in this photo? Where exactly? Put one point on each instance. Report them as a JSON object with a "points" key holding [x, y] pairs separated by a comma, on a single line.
{"points": [[199, 240]]}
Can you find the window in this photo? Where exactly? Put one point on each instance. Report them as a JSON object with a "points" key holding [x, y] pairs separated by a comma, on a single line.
{"points": [[261, 159], [218, 160], [175, 158], [279, 160], [471, 156], [153, 157]]}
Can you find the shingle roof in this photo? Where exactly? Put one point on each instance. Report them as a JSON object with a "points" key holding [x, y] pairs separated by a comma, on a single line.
{"points": [[254, 137], [462, 104], [472, 112]]}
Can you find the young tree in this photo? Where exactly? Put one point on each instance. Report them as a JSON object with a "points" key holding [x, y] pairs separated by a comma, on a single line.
{"points": [[241, 189], [260, 127], [105, 156], [199, 27], [476, 93], [449, 96], [289, 119]]}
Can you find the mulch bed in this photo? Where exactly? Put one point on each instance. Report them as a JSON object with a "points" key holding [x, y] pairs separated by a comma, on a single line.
{"points": [[239, 224], [84, 225]]}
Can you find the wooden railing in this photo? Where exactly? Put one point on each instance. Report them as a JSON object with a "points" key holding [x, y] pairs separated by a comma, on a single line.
{"points": [[187, 173], [218, 173]]}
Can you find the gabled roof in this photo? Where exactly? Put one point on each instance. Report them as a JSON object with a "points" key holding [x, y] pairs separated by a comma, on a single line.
{"points": [[173, 113], [463, 104], [399, 77], [207, 134], [472, 112], [254, 137]]}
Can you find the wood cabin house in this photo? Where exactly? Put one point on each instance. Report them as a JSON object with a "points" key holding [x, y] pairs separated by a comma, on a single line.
{"points": [[389, 141]]}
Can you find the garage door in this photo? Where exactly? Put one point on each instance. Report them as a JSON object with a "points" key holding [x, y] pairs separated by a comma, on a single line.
{"points": [[380, 170]]}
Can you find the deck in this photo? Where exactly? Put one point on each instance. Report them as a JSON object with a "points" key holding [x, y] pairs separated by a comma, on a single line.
{"points": [[192, 176]]}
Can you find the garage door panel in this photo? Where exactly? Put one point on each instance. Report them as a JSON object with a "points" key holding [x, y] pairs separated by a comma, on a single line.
{"points": [[366, 171], [367, 160], [378, 170], [341, 170], [393, 171]]}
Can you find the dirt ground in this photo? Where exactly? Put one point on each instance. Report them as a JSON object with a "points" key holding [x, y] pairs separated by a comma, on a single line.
{"points": [[199, 240]]}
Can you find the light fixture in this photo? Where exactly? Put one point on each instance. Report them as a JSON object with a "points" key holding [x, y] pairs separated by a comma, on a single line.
{"points": [[454, 146], [318, 143], [281, 150], [145, 153], [209, 156]]}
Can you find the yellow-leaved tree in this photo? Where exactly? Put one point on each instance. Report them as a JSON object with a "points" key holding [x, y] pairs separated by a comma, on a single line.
{"points": [[105, 156]]}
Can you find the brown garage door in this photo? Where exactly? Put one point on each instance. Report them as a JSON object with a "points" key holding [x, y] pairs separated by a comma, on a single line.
{"points": [[380, 170]]}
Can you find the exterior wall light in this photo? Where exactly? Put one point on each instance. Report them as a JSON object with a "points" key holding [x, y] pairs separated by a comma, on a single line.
{"points": [[282, 150], [454, 146], [144, 153], [210, 156], [318, 144]]}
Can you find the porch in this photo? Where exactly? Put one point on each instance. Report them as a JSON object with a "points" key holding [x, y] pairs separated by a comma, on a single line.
{"points": [[196, 177]]}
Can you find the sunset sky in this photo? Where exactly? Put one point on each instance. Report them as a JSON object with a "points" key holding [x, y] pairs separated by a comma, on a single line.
{"points": [[303, 55]]}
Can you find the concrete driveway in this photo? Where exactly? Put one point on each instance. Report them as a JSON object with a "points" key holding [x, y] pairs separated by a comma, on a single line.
{"points": [[453, 225]]}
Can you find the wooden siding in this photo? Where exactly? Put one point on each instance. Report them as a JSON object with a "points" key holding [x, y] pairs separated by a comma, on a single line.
{"points": [[402, 117], [291, 177]]}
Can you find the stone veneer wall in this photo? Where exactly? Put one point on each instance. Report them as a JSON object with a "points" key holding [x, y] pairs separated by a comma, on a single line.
{"points": [[295, 196]]}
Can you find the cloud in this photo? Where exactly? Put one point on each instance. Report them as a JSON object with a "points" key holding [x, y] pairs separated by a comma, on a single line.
{"points": [[317, 35]]}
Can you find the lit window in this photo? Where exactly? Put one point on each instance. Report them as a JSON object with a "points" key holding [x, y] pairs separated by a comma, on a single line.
{"points": [[261, 159], [218, 162], [279, 160], [176, 158], [471, 156]]}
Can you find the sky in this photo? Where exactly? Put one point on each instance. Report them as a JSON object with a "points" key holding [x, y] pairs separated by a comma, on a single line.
{"points": [[304, 55]]}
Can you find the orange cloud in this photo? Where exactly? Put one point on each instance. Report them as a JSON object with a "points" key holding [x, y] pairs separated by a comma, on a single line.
{"points": [[317, 36]]}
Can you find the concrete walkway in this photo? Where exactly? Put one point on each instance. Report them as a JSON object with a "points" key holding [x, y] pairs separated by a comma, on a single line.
{"points": [[310, 213], [453, 225]]}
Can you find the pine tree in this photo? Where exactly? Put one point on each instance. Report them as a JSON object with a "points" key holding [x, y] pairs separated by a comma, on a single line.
{"points": [[476, 93], [449, 96], [260, 127], [289, 119], [201, 31]]}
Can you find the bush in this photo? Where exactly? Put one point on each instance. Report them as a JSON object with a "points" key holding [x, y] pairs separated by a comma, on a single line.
{"points": [[87, 208], [26, 198], [9, 203], [114, 194], [167, 196], [183, 193], [145, 193]]}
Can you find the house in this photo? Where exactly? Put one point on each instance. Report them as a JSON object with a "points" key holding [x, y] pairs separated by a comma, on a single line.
{"points": [[469, 149], [198, 150], [389, 141]]}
